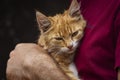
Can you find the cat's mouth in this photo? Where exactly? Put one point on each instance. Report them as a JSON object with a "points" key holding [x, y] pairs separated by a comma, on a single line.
{"points": [[62, 50], [71, 51], [67, 50]]}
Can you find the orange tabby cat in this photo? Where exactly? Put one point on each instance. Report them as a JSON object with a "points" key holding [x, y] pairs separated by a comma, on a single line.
{"points": [[60, 36]]}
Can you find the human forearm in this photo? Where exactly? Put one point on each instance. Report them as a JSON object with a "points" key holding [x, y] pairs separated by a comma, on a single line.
{"points": [[30, 62], [52, 74], [118, 73], [48, 70]]}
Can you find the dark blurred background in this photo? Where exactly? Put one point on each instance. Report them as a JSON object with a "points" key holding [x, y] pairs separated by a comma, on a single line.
{"points": [[18, 23]]}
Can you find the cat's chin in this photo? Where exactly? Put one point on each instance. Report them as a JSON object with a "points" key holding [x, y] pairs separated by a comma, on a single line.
{"points": [[71, 51], [68, 51], [61, 51]]}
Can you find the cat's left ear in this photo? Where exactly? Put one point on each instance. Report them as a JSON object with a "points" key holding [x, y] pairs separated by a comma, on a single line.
{"points": [[74, 9], [43, 22]]}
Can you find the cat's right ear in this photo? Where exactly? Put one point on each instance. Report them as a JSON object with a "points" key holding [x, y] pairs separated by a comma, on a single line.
{"points": [[43, 22], [74, 9]]}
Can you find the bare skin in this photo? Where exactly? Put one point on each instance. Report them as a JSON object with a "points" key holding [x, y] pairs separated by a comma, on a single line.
{"points": [[118, 73], [31, 62]]}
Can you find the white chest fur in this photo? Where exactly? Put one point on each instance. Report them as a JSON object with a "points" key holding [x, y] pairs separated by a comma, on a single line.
{"points": [[73, 68]]}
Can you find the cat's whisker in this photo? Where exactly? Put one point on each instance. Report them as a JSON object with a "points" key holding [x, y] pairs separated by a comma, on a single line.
{"points": [[60, 36], [55, 55]]}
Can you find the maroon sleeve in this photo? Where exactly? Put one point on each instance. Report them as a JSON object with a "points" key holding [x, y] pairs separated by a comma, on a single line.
{"points": [[117, 30]]}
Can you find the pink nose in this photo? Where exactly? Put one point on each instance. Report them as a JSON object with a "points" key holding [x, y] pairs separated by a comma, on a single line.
{"points": [[70, 47]]}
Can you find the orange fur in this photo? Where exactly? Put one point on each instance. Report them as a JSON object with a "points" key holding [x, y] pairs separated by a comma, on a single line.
{"points": [[60, 33]]}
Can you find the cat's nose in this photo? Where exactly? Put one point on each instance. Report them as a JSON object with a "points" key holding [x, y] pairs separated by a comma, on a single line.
{"points": [[70, 47]]}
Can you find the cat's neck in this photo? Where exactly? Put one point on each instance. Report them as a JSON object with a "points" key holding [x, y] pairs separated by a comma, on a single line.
{"points": [[63, 59]]}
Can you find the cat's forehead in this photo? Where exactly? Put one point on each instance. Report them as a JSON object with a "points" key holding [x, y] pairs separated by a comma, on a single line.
{"points": [[61, 18], [65, 23]]}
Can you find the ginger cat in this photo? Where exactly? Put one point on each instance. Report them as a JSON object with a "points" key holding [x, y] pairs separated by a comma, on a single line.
{"points": [[60, 36]]}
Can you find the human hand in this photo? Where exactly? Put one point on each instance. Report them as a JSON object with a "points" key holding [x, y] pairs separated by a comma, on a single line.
{"points": [[31, 62]]}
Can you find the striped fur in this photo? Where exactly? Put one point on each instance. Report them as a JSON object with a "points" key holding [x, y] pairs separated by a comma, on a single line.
{"points": [[60, 36]]}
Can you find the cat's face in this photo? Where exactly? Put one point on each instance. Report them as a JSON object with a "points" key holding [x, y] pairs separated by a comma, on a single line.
{"points": [[61, 33]]}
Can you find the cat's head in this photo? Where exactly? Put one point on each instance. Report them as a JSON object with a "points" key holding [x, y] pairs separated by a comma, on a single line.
{"points": [[62, 32]]}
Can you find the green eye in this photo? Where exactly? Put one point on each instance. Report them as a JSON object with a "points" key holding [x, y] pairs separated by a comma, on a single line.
{"points": [[59, 38], [75, 33]]}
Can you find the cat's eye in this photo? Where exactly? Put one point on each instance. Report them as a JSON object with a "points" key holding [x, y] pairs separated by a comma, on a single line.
{"points": [[59, 38], [75, 33]]}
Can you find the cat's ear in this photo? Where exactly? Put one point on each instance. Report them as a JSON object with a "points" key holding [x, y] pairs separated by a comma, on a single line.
{"points": [[43, 21], [74, 9]]}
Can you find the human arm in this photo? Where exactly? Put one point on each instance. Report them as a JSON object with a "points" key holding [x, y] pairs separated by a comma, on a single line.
{"points": [[118, 73], [117, 52], [30, 62]]}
